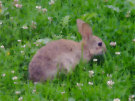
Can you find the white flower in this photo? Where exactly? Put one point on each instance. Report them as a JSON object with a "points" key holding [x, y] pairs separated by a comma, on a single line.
{"points": [[131, 97], [112, 43], [79, 84], [24, 27], [117, 53], [22, 52], [18, 5], [3, 74], [113, 8], [133, 40], [110, 83], [15, 83], [20, 99], [91, 73], [63, 92], [90, 83], [0, 22], [116, 99], [33, 25], [38, 7], [45, 41], [50, 18], [17, 92], [14, 78], [35, 83], [23, 46], [34, 90], [11, 18], [128, 14], [44, 10], [51, 2], [13, 71], [2, 46], [109, 75], [19, 40], [94, 60], [73, 37]]}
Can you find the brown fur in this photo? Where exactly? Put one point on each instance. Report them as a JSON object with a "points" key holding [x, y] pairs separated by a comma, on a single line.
{"points": [[64, 54]]}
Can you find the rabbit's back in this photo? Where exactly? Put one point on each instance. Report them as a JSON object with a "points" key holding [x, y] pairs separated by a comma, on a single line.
{"points": [[60, 54]]}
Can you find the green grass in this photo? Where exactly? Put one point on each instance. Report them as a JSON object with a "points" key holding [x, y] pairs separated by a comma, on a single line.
{"points": [[111, 21]]}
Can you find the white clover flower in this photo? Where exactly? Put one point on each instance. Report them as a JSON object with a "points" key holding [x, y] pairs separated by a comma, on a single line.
{"points": [[116, 99], [34, 90], [128, 14], [20, 98], [2, 46], [50, 18], [73, 37], [95, 60], [22, 52], [51, 2], [117, 53], [63, 92], [109, 75], [90, 83], [35, 83], [13, 71], [133, 40], [0, 22], [14, 78], [113, 8], [17, 92], [24, 27], [18, 5], [33, 25], [15, 83], [79, 84], [3, 75], [11, 18], [44, 10], [38, 7], [112, 43], [19, 40], [91, 73], [23, 46], [110, 83], [131, 98]]}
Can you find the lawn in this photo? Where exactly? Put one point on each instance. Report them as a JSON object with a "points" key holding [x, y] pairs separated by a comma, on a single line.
{"points": [[27, 25]]}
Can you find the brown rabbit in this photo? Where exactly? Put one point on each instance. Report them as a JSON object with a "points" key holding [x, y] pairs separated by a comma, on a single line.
{"points": [[65, 54]]}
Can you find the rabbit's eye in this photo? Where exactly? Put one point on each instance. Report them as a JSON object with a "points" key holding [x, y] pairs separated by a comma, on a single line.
{"points": [[100, 44]]}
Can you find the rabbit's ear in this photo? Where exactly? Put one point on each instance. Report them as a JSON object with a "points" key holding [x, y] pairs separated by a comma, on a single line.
{"points": [[79, 25], [84, 29]]}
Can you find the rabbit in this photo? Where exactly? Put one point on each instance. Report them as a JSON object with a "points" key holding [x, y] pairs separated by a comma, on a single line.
{"points": [[64, 55]]}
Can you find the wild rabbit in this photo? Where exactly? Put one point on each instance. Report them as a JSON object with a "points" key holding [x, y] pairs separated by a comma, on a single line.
{"points": [[64, 54]]}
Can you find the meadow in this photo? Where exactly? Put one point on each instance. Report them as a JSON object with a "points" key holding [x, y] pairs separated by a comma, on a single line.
{"points": [[27, 25]]}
